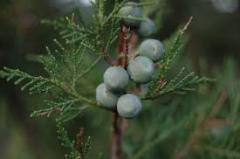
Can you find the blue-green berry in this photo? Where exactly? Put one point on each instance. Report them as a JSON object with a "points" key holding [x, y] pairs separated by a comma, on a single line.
{"points": [[105, 97], [141, 69], [116, 78], [152, 49], [131, 14], [129, 105], [147, 27]]}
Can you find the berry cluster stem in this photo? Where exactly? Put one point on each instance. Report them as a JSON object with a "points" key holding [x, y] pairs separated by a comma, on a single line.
{"points": [[122, 46], [117, 120], [126, 45], [116, 136]]}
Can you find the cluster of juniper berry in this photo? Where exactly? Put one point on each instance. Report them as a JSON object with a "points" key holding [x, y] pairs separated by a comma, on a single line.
{"points": [[112, 93]]}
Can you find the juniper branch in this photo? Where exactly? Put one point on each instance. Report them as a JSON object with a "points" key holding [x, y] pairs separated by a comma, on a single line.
{"points": [[40, 83]]}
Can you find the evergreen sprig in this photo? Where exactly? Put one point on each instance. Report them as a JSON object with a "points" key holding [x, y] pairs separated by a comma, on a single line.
{"points": [[65, 102], [78, 148], [67, 65], [34, 84], [77, 53], [97, 37], [182, 82]]}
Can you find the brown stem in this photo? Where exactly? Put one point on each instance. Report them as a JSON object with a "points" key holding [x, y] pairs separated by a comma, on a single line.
{"points": [[117, 120], [122, 46], [126, 45], [132, 43], [116, 136]]}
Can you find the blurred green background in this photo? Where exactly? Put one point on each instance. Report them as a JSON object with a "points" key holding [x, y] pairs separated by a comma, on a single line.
{"points": [[214, 38]]}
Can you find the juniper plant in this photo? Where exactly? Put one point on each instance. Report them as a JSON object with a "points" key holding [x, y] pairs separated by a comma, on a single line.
{"points": [[69, 86]]}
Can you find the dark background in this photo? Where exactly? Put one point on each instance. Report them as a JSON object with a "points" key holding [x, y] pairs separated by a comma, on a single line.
{"points": [[214, 37]]}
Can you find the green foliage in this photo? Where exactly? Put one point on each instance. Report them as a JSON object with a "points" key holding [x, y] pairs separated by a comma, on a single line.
{"points": [[203, 126], [182, 82], [71, 69], [78, 148], [64, 99], [34, 84], [97, 37]]}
